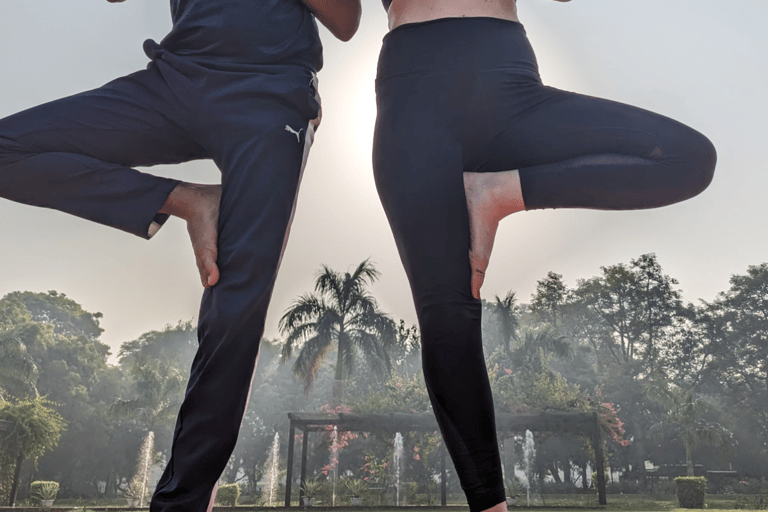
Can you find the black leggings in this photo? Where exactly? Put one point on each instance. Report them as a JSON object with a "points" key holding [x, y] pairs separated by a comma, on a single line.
{"points": [[464, 95]]}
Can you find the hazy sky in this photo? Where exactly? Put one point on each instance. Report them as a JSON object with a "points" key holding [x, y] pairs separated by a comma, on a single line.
{"points": [[703, 62]]}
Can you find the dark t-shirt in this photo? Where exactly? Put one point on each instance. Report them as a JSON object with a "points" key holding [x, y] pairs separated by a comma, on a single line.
{"points": [[245, 32]]}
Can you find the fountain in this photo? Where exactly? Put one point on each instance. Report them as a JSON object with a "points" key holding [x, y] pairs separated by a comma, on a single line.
{"points": [[334, 461], [272, 470], [528, 453], [397, 457], [145, 464]]}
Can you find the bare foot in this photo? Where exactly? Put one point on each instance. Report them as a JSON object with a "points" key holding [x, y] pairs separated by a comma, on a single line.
{"points": [[199, 206], [491, 196]]}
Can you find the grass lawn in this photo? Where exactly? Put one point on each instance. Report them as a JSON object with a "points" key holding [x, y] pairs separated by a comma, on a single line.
{"points": [[552, 503]]}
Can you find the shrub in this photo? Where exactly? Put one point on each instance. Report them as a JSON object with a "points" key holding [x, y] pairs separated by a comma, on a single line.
{"points": [[312, 488], [228, 494], [357, 487], [690, 491], [41, 490], [135, 489], [515, 487]]}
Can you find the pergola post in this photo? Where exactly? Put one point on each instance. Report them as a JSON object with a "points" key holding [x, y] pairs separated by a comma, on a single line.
{"points": [[597, 446], [289, 475], [580, 423], [304, 442], [443, 483]]}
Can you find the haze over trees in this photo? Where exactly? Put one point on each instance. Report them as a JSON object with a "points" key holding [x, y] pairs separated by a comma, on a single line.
{"points": [[673, 383]]}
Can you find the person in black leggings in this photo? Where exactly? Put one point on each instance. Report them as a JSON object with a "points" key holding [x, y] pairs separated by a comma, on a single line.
{"points": [[234, 81], [466, 134]]}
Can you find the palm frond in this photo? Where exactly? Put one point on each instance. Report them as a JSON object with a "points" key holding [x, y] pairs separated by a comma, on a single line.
{"points": [[330, 282], [302, 310], [297, 336], [374, 351], [310, 359]]}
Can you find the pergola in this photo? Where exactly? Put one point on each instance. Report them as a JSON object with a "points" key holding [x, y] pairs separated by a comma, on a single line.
{"points": [[579, 423]]}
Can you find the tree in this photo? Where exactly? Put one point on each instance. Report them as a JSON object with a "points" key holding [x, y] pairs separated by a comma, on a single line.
{"points": [[157, 363], [737, 345], [341, 312], [54, 333], [684, 415], [550, 298], [629, 313], [36, 429]]}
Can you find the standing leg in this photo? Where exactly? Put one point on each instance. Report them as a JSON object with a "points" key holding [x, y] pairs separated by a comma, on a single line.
{"points": [[262, 163], [418, 169]]}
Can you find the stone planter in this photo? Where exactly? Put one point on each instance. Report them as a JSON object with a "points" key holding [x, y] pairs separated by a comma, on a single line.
{"points": [[511, 501], [47, 503], [309, 502], [356, 502], [133, 502]]}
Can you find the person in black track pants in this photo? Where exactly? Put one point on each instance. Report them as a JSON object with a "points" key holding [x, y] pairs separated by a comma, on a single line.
{"points": [[234, 81]]}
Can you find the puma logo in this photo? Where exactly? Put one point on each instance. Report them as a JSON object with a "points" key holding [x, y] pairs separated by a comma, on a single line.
{"points": [[296, 133]]}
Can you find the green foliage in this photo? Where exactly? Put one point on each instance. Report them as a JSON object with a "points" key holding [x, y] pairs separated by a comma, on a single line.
{"points": [[41, 490], [135, 489], [356, 487], [690, 491], [399, 394], [36, 427], [228, 494], [312, 487]]}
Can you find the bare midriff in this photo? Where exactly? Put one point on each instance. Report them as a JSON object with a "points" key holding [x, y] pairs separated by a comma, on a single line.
{"points": [[416, 11]]}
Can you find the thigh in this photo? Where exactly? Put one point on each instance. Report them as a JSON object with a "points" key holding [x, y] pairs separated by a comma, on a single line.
{"points": [[259, 135], [579, 151], [132, 121], [419, 176], [564, 125]]}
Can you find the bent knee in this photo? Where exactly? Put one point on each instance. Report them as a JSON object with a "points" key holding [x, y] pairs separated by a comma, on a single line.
{"points": [[689, 165], [701, 162]]}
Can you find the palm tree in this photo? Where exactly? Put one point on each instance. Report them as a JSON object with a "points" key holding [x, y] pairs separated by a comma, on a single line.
{"points": [[343, 312], [529, 348], [685, 416], [507, 311]]}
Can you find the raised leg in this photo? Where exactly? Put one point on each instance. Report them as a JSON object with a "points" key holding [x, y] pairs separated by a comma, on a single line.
{"points": [[77, 154], [575, 151]]}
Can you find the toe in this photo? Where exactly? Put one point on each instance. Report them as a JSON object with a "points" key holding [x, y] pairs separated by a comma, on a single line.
{"points": [[213, 275], [209, 271], [477, 282]]}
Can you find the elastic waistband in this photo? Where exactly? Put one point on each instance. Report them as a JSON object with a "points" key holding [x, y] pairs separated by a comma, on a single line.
{"points": [[454, 23], [156, 51], [449, 45]]}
